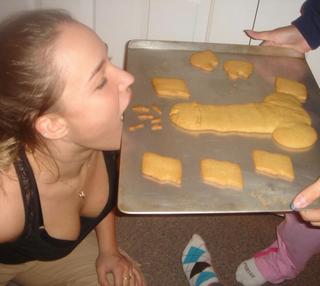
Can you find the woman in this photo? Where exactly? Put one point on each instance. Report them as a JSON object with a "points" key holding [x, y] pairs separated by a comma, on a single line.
{"points": [[61, 106], [298, 236]]}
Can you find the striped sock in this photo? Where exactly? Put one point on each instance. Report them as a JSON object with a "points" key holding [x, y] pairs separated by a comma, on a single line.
{"points": [[196, 262]]}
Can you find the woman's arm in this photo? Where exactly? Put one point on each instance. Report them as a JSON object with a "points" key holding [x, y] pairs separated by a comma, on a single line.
{"points": [[111, 260]]}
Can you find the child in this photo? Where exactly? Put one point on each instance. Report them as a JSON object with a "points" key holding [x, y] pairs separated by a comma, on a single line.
{"points": [[297, 239]]}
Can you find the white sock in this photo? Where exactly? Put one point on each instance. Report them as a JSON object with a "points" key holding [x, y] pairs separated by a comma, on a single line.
{"points": [[196, 262], [248, 274]]}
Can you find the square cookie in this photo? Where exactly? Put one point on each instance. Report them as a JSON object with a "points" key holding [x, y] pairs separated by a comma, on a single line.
{"points": [[273, 164], [292, 87], [222, 174], [162, 169], [170, 87]]}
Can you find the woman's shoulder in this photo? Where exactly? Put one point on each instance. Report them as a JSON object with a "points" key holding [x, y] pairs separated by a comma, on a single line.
{"points": [[11, 206]]}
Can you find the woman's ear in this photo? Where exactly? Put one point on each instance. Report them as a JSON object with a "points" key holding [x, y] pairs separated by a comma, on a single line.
{"points": [[51, 126]]}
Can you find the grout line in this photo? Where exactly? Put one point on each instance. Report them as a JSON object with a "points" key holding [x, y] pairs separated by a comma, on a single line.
{"points": [[254, 20], [94, 15], [210, 19], [148, 19]]}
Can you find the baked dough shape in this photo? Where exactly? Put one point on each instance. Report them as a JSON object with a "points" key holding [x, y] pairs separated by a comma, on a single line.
{"points": [[292, 87], [136, 127], [238, 69], [156, 127], [170, 87], [205, 60], [145, 117], [162, 169], [222, 174], [273, 164], [156, 108], [268, 117], [156, 120], [140, 108], [289, 135]]}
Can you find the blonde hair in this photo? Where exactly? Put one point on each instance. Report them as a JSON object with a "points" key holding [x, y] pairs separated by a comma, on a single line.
{"points": [[30, 79]]}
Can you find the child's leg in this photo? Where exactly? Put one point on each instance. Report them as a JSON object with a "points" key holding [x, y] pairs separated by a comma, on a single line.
{"points": [[196, 264], [296, 243]]}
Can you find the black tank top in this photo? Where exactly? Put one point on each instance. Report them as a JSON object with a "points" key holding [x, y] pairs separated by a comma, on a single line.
{"points": [[34, 243]]}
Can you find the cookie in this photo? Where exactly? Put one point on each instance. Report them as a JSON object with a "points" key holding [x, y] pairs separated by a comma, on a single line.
{"points": [[292, 87], [205, 60], [268, 117], [273, 164], [162, 169], [238, 69], [170, 87], [222, 174], [299, 136]]}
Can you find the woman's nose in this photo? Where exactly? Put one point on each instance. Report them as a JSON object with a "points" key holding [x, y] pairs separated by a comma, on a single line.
{"points": [[125, 80]]}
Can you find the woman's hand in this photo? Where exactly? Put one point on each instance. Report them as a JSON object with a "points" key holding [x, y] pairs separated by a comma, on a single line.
{"points": [[305, 198], [287, 37], [123, 269]]}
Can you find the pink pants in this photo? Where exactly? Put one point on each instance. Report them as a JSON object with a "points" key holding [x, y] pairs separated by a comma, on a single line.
{"points": [[297, 241]]}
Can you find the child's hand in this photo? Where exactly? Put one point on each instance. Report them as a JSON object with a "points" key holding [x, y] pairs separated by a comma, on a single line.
{"points": [[287, 37], [305, 198]]}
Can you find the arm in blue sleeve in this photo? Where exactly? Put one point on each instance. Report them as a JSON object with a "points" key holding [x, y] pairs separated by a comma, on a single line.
{"points": [[309, 23]]}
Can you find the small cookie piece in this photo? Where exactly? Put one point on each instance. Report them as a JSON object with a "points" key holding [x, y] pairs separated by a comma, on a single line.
{"points": [[136, 127], [292, 87], [273, 165], [170, 87], [156, 127], [222, 174], [162, 169], [238, 69], [299, 136], [205, 60], [145, 116], [156, 109], [156, 120], [140, 108]]}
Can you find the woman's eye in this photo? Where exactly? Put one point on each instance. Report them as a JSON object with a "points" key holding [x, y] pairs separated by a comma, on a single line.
{"points": [[102, 84]]}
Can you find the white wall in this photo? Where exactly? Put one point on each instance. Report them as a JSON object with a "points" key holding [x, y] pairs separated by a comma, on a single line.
{"points": [[220, 21]]}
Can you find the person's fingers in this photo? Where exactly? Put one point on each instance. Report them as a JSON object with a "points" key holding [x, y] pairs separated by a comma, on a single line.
{"points": [[317, 224], [138, 277], [312, 216], [299, 49], [121, 279], [263, 35], [268, 44], [307, 196], [102, 278], [132, 279]]}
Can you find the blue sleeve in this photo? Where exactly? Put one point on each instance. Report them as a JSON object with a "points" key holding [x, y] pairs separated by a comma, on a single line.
{"points": [[309, 22]]}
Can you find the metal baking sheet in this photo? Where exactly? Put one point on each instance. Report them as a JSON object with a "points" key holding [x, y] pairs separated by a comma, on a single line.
{"points": [[148, 59]]}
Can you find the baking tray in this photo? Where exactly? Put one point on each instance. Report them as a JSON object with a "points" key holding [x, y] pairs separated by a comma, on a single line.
{"points": [[148, 59]]}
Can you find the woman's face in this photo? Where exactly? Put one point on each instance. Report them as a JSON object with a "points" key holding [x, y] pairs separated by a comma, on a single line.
{"points": [[96, 92]]}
